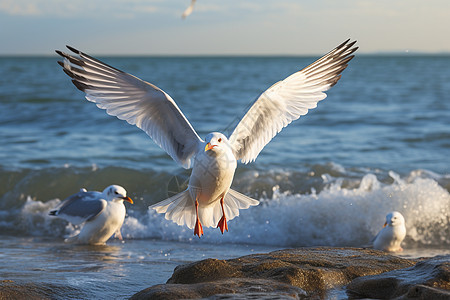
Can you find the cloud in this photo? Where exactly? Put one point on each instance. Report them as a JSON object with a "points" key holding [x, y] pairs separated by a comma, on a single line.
{"points": [[78, 8], [19, 8]]}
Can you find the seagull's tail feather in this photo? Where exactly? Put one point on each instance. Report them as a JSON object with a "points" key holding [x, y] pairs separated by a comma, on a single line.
{"points": [[233, 202], [179, 208]]}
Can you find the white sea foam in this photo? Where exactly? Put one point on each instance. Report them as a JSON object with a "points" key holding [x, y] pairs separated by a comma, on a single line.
{"points": [[335, 216]]}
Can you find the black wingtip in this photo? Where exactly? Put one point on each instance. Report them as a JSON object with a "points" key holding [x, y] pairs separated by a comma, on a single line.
{"points": [[60, 53], [68, 73], [343, 44], [63, 54], [351, 44], [79, 85], [53, 213], [335, 80], [73, 49]]}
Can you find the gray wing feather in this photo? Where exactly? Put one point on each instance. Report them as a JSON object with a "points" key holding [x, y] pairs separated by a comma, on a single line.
{"points": [[138, 102], [80, 207], [376, 236], [286, 101]]}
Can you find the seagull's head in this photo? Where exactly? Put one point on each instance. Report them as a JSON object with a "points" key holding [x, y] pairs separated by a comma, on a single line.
{"points": [[216, 142], [394, 219], [116, 193]]}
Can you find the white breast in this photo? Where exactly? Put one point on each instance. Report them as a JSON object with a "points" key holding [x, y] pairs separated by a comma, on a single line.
{"points": [[211, 176], [102, 227], [390, 238]]}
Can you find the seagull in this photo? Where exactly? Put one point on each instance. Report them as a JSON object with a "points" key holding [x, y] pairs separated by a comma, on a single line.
{"points": [[188, 10], [102, 214], [392, 234], [208, 200]]}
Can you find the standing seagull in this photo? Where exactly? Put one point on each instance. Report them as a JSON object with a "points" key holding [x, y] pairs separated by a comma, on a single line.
{"points": [[208, 200], [391, 236], [102, 214]]}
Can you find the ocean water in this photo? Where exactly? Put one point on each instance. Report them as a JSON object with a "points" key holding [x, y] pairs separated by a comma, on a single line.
{"points": [[379, 142]]}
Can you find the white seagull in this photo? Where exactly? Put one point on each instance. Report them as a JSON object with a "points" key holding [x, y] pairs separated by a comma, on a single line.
{"points": [[102, 214], [392, 234], [208, 200], [188, 10]]}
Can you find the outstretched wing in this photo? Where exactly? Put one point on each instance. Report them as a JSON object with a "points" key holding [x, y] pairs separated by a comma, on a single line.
{"points": [[80, 207], [286, 101], [138, 102]]}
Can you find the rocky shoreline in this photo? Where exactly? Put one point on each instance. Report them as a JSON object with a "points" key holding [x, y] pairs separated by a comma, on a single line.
{"points": [[301, 273], [308, 273]]}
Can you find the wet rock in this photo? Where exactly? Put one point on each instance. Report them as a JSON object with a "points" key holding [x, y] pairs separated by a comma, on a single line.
{"points": [[14, 290], [237, 288], [428, 279], [425, 292], [311, 269], [285, 273]]}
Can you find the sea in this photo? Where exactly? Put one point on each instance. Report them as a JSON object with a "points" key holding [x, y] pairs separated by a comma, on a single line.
{"points": [[379, 142]]}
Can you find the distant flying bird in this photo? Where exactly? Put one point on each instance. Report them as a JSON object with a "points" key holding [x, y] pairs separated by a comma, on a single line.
{"points": [[392, 234], [208, 200], [188, 10], [102, 214]]}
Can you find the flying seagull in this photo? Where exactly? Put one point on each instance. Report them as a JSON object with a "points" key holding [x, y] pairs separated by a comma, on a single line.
{"points": [[208, 200], [188, 10], [102, 214]]}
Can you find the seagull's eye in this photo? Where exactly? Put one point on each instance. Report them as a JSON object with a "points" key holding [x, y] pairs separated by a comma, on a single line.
{"points": [[115, 192], [219, 140]]}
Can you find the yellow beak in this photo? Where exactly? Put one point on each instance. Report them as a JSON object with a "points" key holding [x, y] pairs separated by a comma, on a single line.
{"points": [[209, 146], [128, 199]]}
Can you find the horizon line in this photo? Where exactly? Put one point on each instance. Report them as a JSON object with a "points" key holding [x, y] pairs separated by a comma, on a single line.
{"points": [[373, 53]]}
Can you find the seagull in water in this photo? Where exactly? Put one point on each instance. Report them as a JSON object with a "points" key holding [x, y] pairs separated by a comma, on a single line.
{"points": [[391, 236], [102, 214], [208, 200]]}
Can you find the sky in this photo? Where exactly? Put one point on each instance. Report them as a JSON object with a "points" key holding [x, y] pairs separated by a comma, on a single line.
{"points": [[222, 27]]}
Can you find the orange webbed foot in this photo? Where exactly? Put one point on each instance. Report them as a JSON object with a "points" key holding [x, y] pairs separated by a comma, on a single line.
{"points": [[198, 229], [223, 225]]}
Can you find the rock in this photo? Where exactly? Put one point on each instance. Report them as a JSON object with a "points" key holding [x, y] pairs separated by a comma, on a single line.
{"points": [[244, 288], [311, 269], [425, 292], [428, 279], [13, 290], [285, 273]]}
